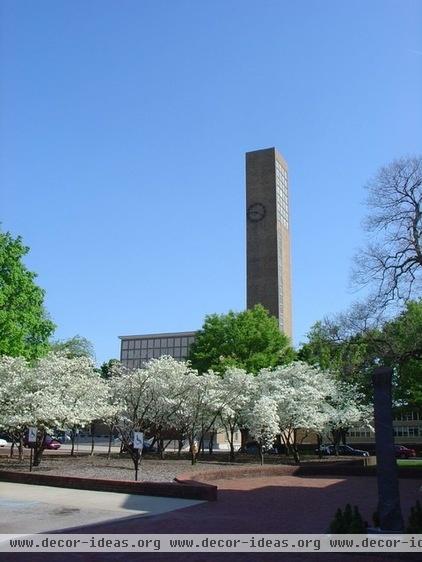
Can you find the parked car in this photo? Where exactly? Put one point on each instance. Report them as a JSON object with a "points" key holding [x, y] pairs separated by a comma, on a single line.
{"points": [[343, 450], [403, 452], [3, 442], [252, 448], [62, 437], [49, 443]]}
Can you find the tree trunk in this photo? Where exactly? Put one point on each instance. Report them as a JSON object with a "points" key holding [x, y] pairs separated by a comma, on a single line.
{"points": [[336, 439], [279, 445], [39, 447], [161, 448], [92, 438], [261, 454], [231, 441], [211, 443], [201, 445], [319, 443], [180, 447], [20, 448], [244, 435], [286, 446], [72, 439], [296, 455], [110, 440]]}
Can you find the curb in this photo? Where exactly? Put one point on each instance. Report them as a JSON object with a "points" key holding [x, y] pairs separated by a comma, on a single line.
{"points": [[176, 489]]}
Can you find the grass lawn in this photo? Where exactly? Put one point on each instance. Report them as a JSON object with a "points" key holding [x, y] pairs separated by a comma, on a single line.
{"points": [[410, 462]]}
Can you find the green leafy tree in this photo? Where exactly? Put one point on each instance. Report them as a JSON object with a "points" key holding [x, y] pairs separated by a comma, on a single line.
{"points": [[400, 346], [78, 346], [24, 325], [351, 347], [249, 340], [106, 368], [346, 356]]}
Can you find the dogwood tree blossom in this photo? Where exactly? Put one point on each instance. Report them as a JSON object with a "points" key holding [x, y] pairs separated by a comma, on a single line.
{"points": [[263, 423], [299, 391], [200, 407], [18, 387], [238, 387], [71, 393], [346, 408], [149, 398], [56, 392], [171, 383]]}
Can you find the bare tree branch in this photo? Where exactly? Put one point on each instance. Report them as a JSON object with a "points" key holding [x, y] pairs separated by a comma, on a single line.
{"points": [[392, 259]]}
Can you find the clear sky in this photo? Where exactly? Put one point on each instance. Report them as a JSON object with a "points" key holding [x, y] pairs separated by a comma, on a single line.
{"points": [[123, 132]]}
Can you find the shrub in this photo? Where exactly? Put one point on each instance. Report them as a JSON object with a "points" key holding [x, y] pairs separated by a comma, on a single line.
{"points": [[348, 521], [376, 519], [414, 524]]}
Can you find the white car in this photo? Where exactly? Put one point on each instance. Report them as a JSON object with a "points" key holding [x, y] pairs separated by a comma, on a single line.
{"points": [[3, 442]]}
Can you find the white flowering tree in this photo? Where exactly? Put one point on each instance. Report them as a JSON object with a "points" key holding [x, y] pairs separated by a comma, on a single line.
{"points": [[238, 388], [133, 396], [199, 409], [170, 380], [299, 391], [56, 392], [263, 423], [310, 400], [345, 408], [73, 393], [18, 388], [147, 400]]}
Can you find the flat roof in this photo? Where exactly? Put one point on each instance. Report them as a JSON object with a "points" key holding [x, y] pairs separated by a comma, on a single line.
{"points": [[163, 335]]}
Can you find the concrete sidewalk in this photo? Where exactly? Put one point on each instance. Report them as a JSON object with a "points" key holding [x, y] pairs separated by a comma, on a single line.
{"points": [[35, 509]]}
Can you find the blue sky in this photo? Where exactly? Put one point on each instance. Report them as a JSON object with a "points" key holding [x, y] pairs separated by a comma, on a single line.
{"points": [[123, 132]]}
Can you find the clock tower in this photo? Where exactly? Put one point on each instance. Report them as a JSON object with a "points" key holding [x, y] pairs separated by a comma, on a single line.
{"points": [[268, 235]]}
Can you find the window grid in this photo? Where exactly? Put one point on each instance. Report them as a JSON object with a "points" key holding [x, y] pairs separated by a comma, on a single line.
{"points": [[405, 431]]}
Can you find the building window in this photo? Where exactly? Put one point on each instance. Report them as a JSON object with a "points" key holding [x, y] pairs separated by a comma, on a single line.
{"points": [[404, 431], [360, 433]]}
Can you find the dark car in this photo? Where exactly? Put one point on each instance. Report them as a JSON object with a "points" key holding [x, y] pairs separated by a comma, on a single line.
{"points": [[403, 452], [343, 450], [252, 448]]}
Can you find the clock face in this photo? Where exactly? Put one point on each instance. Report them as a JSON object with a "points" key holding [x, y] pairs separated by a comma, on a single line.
{"points": [[256, 212]]}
